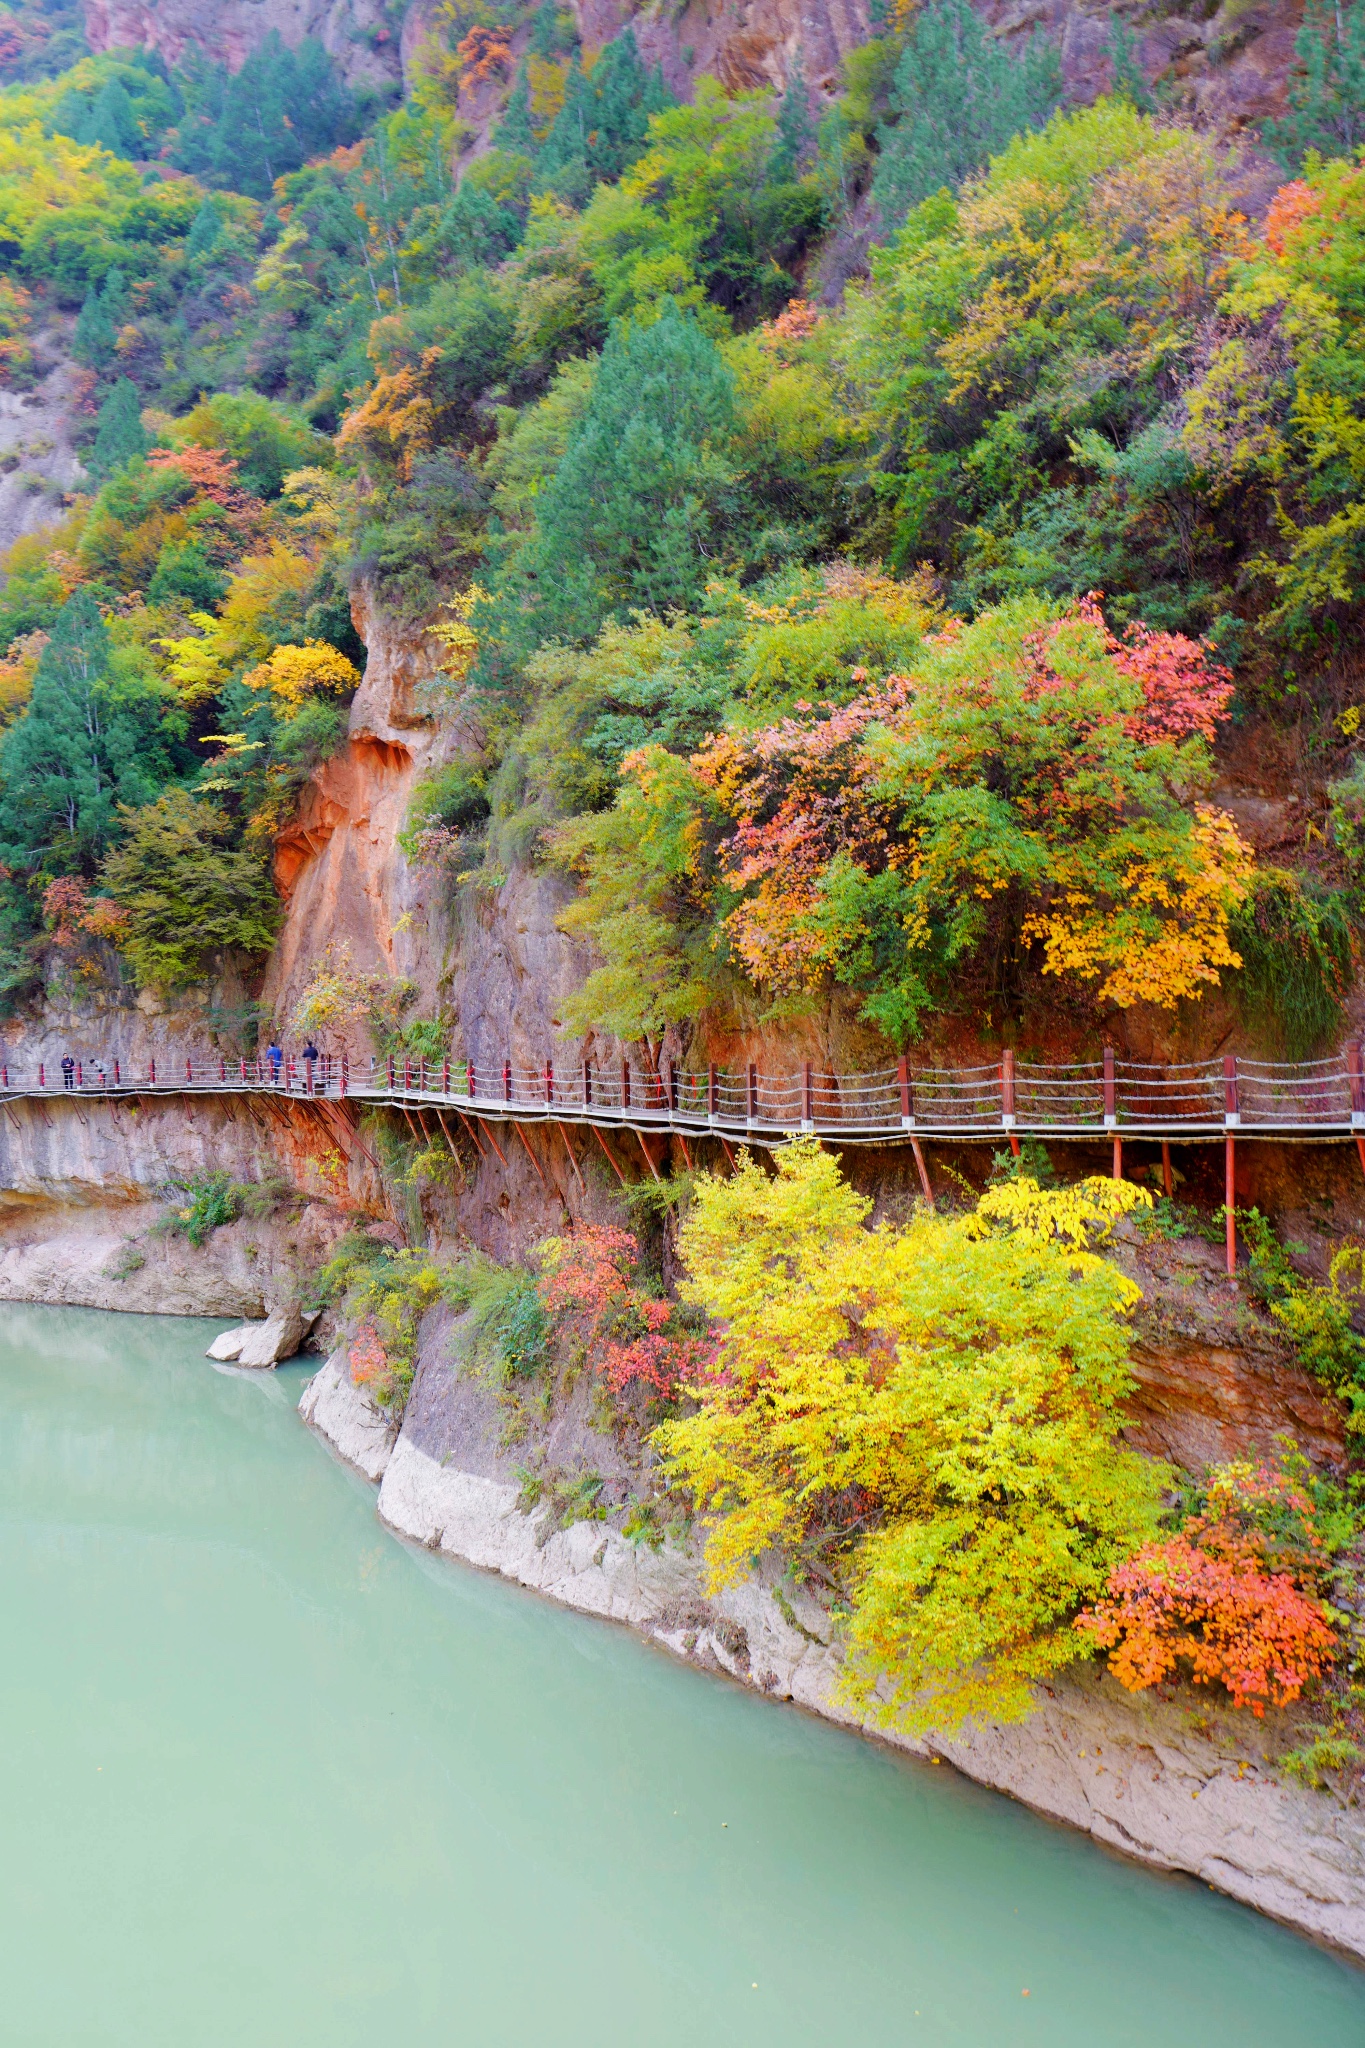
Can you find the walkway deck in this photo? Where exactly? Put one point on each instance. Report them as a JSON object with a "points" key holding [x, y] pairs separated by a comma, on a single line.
{"points": [[1321, 1100]]}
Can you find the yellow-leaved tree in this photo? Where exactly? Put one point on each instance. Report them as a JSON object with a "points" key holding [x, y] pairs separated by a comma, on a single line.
{"points": [[292, 673], [923, 1418]]}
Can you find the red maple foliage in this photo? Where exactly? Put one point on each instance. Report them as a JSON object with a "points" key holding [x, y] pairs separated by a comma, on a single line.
{"points": [[1293, 204], [213, 473], [1210, 1601], [587, 1287], [368, 1359]]}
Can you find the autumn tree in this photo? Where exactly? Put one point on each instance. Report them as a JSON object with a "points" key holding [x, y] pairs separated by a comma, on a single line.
{"points": [[924, 1420], [187, 895], [1231, 1599], [1030, 783]]}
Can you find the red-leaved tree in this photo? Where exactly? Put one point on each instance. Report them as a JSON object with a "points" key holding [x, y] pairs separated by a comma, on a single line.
{"points": [[1225, 1599], [631, 1337]]}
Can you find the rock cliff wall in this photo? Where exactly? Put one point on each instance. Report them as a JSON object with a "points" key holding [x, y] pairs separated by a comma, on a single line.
{"points": [[1227, 65]]}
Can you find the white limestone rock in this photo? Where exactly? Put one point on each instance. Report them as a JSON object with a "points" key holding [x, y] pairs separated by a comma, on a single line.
{"points": [[228, 1346], [279, 1336], [344, 1414]]}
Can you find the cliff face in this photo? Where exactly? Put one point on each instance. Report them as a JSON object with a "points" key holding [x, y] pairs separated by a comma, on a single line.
{"points": [[356, 33], [1228, 68]]}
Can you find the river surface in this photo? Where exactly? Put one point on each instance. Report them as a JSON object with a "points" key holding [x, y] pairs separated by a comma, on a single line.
{"points": [[272, 1779]]}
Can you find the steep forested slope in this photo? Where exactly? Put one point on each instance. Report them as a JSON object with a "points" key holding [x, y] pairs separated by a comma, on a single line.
{"points": [[868, 528]]}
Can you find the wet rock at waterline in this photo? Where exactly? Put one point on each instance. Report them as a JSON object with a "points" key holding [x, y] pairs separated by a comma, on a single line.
{"points": [[346, 1417], [1131, 1772], [262, 1345]]}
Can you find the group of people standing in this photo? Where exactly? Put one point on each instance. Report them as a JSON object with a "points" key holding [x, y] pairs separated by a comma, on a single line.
{"points": [[92, 1073]]}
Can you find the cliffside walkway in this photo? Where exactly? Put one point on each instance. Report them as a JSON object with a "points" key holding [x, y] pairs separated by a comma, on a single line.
{"points": [[1201, 1102]]}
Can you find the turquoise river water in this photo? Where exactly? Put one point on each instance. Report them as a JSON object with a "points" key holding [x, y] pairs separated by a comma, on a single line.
{"points": [[273, 1780]]}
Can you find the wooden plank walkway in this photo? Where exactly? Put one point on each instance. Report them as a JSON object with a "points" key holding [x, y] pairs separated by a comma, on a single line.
{"points": [[1107, 1098]]}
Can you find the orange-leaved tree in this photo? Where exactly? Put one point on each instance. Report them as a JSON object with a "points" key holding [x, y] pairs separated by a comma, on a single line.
{"points": [[1230, 1599]]}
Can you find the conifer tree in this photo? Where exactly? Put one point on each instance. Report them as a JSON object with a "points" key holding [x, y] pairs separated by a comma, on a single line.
{"points": [[112, 124], [86, 743], [795, 129], [646, 486], [1326, 102], [514, 132], [960, 95], [121, 436]]}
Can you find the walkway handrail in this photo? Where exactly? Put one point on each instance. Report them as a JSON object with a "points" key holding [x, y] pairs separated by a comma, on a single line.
{"points": [[1009, 1098]]}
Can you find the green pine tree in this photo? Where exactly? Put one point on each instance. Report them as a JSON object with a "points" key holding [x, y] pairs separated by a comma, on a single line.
{"points": [[112, 123], [88, 741], [120, 436], [93, 340], [795, 129], [1326, 101], [514, 132], [960, 95], [637, 511]]}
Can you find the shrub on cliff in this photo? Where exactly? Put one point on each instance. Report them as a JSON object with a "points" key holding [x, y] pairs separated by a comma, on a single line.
{"points": [[924, 1420], [1232, 1598]]}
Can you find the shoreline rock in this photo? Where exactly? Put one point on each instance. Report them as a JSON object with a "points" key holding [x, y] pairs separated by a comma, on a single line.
{"points": [[1127, 1771]]}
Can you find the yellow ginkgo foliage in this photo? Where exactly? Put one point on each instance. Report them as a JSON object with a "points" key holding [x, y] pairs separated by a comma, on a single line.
{"points": [[293, 673], [923, 1419]]}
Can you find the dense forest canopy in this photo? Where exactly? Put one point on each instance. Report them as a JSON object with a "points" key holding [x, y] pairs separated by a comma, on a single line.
{"points": [[868, 623]]}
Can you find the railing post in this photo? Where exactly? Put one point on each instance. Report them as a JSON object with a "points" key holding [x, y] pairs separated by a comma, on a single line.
{"points": [[345, 1073], [391, 1073], [1111, 1110], [672, 1087], [712, 1092], [807, 1096], [587, 1084], [151, 1073], [189, 1074], [407, 1076], [907, 1094], [42, 1073], [469, 1087], [549, 1082], [1232, 1117], [625, 1084], [507, 1080], [80, 1075], [117, 1078], [1357, 1098], [445, 1076], [1007, 1098], [753, 1093]]}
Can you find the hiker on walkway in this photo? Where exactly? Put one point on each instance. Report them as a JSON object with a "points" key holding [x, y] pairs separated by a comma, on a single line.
{"points": [[275, 1056], [311, 1054], [68, 1071]]}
